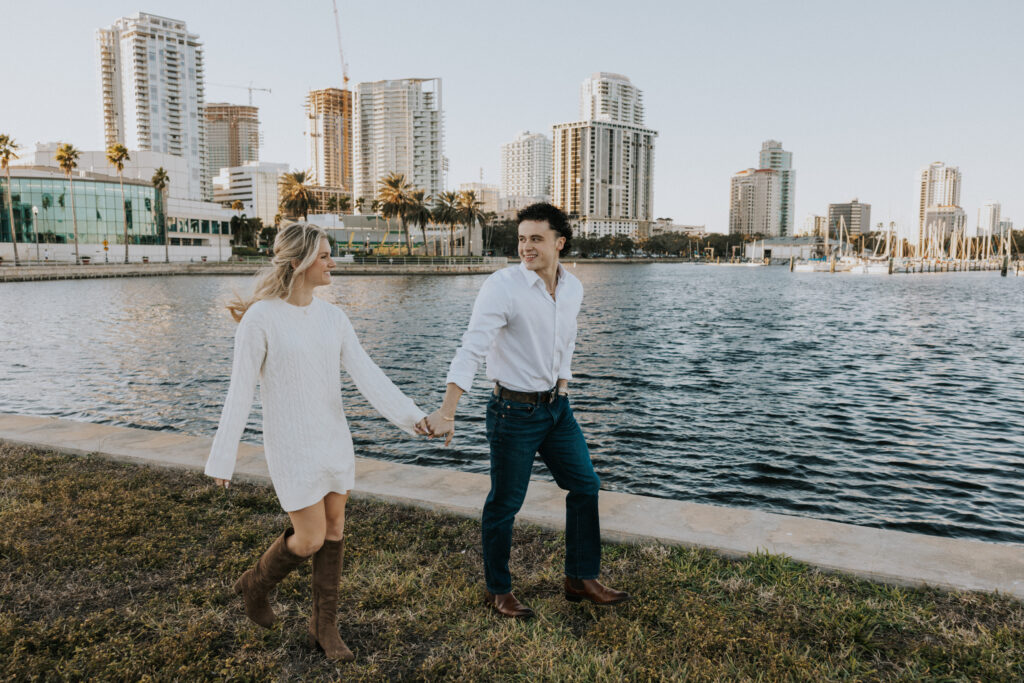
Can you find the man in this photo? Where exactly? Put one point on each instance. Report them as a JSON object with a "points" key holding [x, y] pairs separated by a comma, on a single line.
{"points": [[524, 325]]}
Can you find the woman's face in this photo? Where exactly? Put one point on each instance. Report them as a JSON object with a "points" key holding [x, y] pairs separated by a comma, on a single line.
{"points": [[319, 273]]}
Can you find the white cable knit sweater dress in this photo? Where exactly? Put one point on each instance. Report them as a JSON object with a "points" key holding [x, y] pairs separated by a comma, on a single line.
{"points": [[296, 353]]}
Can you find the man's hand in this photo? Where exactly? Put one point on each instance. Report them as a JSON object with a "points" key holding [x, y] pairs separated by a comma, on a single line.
{"points": [[441, 425], [422, 428]]}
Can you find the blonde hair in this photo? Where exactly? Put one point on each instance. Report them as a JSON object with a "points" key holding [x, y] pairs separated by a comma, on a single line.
{"points": [[295, 242]]}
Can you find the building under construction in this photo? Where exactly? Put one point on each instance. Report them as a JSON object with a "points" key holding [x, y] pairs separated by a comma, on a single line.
{"points": [[329, 129]]}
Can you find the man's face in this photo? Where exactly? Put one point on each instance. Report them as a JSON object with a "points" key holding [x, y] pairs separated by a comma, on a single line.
{"points": [[539, 244]]}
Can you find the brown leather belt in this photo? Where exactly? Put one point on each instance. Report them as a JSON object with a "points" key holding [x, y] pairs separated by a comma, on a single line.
{"points": [[526, 396]]}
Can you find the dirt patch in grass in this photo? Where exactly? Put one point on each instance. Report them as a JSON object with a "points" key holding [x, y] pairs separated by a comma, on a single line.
{"points": [[114, 572]]}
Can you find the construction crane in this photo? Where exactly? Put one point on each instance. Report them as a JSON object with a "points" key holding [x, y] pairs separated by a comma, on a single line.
{"points": [[249, 87], [341, 53]]}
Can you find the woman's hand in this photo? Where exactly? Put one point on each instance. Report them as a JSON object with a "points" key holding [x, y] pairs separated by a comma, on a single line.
{"points": [[440, 424], [222, 483], [422, 428]]}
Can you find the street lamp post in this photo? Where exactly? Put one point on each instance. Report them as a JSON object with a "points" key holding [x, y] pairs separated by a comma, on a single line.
{"points": [[35, 228]]}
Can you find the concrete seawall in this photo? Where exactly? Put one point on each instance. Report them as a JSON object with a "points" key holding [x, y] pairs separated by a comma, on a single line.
{"points": [[876, 554], [108, 270]]}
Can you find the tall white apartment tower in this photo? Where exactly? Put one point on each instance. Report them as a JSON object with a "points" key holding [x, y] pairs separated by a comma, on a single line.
{"points": [[526, 167], [151, 75], [611, 97], [399, 128], [940, 187], [754, 198], [989, 217], [778, 159], [603, 165]]}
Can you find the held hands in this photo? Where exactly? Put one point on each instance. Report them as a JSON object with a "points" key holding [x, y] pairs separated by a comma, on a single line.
{"points": [[422, 428], [441, 425]]}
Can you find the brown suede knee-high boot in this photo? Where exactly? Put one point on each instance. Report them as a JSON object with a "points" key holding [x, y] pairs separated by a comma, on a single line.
{"points": [[256, 583], [323, 625]]}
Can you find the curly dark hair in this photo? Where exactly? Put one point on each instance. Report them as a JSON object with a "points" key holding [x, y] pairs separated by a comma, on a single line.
{"points": [[556, 218]]}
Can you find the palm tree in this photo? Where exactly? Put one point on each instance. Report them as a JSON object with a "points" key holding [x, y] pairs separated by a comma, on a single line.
{"points": [[395, 196], [67, 158], [419, 214], [490, 218], [359, 204], [160, 181], [332, 204], [375, 206], [297, 197], [7, 153], [469, 213], [116, 156], [344, 203], [446, 212]]}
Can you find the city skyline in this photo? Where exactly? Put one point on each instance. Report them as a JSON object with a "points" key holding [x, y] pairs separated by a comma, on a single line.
{"points": [[504, 73]]}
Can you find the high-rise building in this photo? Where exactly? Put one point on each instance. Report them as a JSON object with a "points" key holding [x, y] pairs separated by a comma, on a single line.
{"points": [[1005, 226], [776, 158], [329, 129], [489, 196], [754, 199], [611, 97], [232, 135], [399, 129], [526, 167], [943, 221], [989, 217], [854, 216], [151, 75], [940, 186], [603, 168], [255, 184]]}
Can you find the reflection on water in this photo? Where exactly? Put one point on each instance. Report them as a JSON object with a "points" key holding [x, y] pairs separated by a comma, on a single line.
{"points": [[894, 402]]}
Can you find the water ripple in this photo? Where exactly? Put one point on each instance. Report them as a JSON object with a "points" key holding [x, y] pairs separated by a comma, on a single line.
{"points": [[890, 402]]}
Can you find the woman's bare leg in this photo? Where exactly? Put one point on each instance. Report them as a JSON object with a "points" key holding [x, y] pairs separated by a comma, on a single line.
{"points": [[310, 525], [334, 511]]}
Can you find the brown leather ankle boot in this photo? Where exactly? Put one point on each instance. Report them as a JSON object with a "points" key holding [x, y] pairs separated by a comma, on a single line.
{"points": [[256, 583], [323, 625], [577, 590]]}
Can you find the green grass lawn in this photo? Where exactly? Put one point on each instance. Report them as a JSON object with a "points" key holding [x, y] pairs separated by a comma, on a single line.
{"points": [[118, 572]]}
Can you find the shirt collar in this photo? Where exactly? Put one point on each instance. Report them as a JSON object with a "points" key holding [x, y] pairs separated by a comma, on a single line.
{"points": [[532, 278]]}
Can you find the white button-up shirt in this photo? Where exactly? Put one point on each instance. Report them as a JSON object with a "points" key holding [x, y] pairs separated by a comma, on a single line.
{"points": [[526, 337]]}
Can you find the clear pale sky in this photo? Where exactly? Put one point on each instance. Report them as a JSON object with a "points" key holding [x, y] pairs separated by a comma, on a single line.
{"points": [[864, 94]]}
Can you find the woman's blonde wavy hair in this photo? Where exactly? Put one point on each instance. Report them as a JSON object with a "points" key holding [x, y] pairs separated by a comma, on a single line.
{"points": [[295, 242]]}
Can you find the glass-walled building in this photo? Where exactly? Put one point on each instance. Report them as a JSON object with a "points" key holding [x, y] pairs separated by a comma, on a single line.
{"points": [[42, 206], [41, 198]]}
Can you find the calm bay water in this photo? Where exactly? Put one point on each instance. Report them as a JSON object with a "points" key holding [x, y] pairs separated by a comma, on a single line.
{"points": [[895, 402]]}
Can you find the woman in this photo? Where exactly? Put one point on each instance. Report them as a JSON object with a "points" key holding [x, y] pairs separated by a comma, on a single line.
{"points": [[296, 346]]}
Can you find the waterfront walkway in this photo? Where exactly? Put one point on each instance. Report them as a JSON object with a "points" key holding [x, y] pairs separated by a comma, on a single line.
{"points": [[28, 273], [876, 554]]}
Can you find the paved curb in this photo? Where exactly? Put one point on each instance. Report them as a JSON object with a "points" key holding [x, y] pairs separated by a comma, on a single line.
{"points": [[876, 554]]}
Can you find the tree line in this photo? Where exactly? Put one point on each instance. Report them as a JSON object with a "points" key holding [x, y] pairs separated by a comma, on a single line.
{"points": [[503, 237]]}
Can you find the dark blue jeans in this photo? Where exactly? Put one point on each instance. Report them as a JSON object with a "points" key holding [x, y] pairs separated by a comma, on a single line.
{"points": [[517, 432]]}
